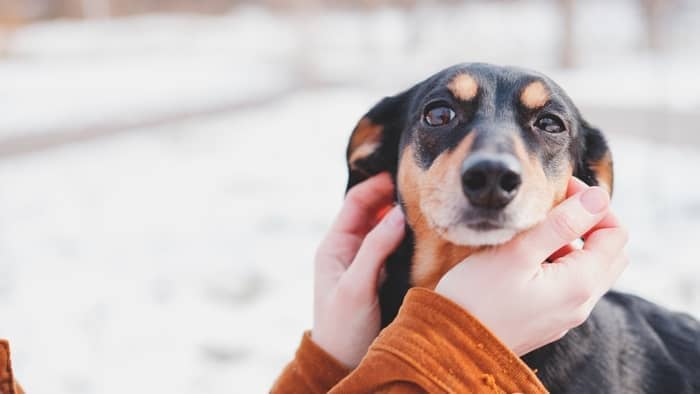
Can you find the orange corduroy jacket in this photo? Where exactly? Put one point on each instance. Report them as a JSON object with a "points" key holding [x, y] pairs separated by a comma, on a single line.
{"points": [[433, 346], [8, 385]]}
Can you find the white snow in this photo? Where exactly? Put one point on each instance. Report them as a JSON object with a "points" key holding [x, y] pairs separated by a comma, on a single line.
{"points": [[177, 258]]}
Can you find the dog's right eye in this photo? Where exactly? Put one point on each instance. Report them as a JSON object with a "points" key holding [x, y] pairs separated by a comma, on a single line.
{"points": [[438, 115]]}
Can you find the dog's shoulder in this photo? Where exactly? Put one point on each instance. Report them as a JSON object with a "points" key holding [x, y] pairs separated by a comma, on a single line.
{"points": [[662, 319], [675, 334], [628, 345]]}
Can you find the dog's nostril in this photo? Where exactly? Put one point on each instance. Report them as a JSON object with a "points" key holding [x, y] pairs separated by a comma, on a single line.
{"points": [[474, 180], [510, 181]]}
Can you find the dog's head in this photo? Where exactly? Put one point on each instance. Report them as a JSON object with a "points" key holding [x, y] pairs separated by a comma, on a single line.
{"points": [[479, 153]]}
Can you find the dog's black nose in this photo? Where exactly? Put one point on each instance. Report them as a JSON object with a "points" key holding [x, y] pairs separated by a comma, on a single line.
{"points": [[491, 180]]}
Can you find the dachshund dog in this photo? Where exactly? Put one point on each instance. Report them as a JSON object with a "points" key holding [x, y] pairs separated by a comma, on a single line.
{"points": [[479, 153]]}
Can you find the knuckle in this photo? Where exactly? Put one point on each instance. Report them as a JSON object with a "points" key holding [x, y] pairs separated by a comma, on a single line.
{"points": [[564, 226], [321, 256], [375, 240], [354, 197], [380, 239]]}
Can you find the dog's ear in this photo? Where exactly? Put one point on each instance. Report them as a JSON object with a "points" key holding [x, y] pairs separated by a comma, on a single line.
{"points": [[594, 165], [374, 144]]}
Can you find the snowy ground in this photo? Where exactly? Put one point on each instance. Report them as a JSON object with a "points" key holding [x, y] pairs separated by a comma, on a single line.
{"points": [[179, 256]]}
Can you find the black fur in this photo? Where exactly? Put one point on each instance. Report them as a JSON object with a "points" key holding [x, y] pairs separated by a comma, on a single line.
{"points": [[628, 345]]}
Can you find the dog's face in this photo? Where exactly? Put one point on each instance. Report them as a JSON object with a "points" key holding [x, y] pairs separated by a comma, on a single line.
{"points": [[479, 153]]}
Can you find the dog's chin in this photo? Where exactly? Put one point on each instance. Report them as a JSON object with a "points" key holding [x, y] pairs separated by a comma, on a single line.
{"points": [[479, 235]]}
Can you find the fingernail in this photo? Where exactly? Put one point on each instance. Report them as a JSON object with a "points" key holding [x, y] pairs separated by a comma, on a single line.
{"points": [[595, 200], [395, 217]]}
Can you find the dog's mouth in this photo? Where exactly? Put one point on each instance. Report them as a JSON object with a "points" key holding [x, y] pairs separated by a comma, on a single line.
{"points": [[485, 225], [484, 219], [481, 226]]}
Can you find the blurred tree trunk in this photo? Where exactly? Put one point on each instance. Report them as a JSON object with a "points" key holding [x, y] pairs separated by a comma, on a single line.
{"points": [[653, 13], [11, 17], [567, 44]]}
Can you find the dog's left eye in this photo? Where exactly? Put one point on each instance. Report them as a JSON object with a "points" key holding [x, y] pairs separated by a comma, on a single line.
{"points": [[550, 124], [438, 115]]}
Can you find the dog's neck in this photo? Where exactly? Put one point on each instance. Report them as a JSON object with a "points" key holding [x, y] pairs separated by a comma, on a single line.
{"points": [[433, 256]]}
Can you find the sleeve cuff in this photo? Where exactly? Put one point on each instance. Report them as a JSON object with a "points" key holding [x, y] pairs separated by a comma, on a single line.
{"points": [[7, 380], [318, 365], [439, 337]]}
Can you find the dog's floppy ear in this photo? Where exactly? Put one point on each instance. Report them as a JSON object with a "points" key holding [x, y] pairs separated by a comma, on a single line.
{"points": [[374, 144], [594, 165]]}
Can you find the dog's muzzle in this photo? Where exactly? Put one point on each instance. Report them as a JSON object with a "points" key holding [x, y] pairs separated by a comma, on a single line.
{"points": [[491, 180]]}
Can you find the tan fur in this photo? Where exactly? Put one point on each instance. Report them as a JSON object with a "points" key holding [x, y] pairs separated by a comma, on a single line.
{"points": [[361, 152], [422, 190], [535, 95], [463, 87], [603, 170], [364, 141], [543, 192]]}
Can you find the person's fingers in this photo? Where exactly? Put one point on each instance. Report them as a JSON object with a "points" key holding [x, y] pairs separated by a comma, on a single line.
{"points": [[605, 280], [604, 247], [363, 204], [565, 223], [587, 273], [377, 246], [615, 270], [609, 221], [563, 251], [606, 242], [576, 186]]}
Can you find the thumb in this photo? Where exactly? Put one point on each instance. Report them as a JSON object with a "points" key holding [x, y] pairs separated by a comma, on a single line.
{"points": [[564, 224]]}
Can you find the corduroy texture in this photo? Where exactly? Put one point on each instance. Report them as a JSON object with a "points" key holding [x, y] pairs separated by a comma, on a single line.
{"points": [[433, 346], [8, 385], [312, 371]]}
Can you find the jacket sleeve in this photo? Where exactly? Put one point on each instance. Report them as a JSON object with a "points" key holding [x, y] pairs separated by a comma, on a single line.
{"points": [[435, 346], [312, 370], [8, 385], [432, 346]]}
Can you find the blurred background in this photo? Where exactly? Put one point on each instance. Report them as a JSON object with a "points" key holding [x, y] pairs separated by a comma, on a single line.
{"points": [[167, 167]]}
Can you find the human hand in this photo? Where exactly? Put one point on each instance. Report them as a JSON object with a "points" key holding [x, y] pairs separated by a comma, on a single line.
{"points": [[348, 267], [527, 303]]}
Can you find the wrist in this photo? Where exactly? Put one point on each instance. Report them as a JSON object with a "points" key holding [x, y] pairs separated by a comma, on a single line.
{"points": [[331, 349]]}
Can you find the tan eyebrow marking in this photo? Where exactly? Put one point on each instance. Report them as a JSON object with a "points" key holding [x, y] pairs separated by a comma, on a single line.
{"points": [[463, 87], [535, 95]]}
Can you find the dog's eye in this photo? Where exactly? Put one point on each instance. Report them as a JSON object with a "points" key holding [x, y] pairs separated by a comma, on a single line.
{"points": [[438, 115], [550, 124]]}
